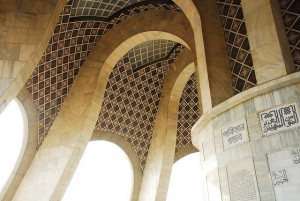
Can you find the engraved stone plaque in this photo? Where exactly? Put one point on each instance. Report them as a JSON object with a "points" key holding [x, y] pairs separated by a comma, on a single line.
{"points": [[234, 134], [279, 118], [213, 186], [242, 181], [285, 173]]}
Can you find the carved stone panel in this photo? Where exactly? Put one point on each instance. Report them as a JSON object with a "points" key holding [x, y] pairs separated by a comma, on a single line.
{"points": [[242, 181], [234, 134], [279, 118], [285, 174]]}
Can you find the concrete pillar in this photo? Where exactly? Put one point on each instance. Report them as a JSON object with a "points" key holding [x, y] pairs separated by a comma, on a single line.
{"points": [[268, 41]]}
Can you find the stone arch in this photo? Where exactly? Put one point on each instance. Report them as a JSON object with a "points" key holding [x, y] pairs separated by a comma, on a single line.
{"points": [[33, 53], [212, 70], [30, 29], [74, 125], [184, 152], [129, 150], [162, 148], [28, 152]]}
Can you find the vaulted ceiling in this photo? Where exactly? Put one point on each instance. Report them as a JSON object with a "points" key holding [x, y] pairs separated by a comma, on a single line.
{"points": [[135, 85]]}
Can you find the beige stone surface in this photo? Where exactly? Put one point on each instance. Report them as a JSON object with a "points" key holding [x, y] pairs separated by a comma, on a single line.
{"points": [[215, 53], [162, 147], [268, 42], [19, 21]]}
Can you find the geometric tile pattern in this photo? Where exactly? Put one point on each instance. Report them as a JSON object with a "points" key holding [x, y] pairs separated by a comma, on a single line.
{"points": [[188, 113], [237, 45], [99, 7], [131, 102], [68, 47], [149, 51], [291, 18]]}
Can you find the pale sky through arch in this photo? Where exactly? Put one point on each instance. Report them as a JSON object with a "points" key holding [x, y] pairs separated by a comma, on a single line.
{"points": [[11, 138], [104, 173]]}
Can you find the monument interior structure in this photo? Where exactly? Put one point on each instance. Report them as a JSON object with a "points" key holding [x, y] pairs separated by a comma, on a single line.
{"points": [[161, 79]]}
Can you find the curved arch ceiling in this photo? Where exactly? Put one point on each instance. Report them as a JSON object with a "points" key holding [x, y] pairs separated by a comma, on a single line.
{"points": [[132, 95], [68, 48], [99, 8], [133, 91]]}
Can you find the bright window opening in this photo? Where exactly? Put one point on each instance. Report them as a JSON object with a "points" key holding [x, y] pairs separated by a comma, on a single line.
{"points": [[104, 173], [185, 182], [11, 139]]}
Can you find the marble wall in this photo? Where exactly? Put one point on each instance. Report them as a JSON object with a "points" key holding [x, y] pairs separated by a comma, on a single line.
{"points": [[237, 138]]}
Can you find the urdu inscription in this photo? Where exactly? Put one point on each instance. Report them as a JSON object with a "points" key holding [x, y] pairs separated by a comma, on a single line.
{"points": [[296, 155], [279, 118], [279, 177], [285, 173], [234, 134]]}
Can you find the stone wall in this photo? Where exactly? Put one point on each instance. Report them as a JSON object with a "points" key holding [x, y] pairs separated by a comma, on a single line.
{"points": [[243, 155]]}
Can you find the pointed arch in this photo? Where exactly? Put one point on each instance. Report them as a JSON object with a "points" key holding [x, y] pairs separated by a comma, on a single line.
{"points": [[71, 131], [162, 147]]}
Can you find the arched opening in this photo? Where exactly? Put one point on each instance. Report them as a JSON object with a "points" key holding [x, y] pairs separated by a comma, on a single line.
{"points": [[13, 137], [185, 183], [104, 173]]}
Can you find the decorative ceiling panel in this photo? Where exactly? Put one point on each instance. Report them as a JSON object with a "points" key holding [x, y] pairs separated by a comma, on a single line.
{"points": [[291, 18], [131, 102], [150, 51], [188, 113], [237, 45], [101, 8], [68, 48]]}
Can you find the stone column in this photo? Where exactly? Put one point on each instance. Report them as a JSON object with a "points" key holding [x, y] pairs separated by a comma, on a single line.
{"points": [[191, 12], [268, 41], [215, 52], [162, 149]]}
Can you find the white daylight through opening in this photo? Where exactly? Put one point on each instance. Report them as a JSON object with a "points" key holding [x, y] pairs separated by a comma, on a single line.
{"points": [[11, 139], [185, 183], [104, 173]]}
